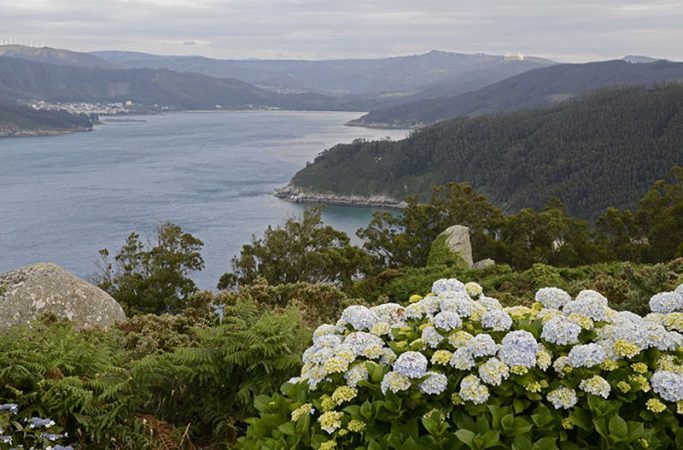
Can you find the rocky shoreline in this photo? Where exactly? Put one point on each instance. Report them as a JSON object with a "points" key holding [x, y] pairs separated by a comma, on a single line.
{"points": [[40, 133], [297, 194]]}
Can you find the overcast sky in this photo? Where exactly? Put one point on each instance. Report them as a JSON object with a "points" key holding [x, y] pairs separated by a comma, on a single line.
{"points": [[566, 30]]}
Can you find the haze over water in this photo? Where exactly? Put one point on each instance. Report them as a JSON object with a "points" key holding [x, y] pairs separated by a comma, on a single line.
{"points": [[64, 198]]}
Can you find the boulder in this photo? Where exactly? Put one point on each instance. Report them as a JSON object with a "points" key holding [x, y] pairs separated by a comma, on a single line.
{"points": [[452, 246], [46, 288], [484, 264]]}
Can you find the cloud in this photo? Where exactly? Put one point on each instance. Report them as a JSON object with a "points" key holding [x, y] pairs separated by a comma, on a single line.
{"points": [[565, 30]]}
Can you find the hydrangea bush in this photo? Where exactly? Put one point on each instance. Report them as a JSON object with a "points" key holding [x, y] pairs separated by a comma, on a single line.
{"points": [[455, 370], [35, 433]]}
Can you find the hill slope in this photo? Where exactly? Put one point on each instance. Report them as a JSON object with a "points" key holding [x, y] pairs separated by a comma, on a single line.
{"points": [[55, 56], [23, 79], [18, 120], [404, 75], [600, 151], [536, 88]]}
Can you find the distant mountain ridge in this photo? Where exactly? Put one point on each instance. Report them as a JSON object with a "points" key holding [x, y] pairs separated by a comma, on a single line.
{"points": [[21, 79], [602, 150], [405, 75], [535, 88]]}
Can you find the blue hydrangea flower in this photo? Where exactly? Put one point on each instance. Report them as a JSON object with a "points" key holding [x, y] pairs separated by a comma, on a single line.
{"points": [[482, 345], [587, 355], [447, 285], [668, 385], [552, 298], [434, 384], [518, 348], [496, 320], [411, 364], [561, 331], [666, 302], [359, 317], [13, 408], [447, 320], [432, 337]]}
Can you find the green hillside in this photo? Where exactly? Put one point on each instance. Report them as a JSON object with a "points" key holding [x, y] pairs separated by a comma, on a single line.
{"points": [[18, 120], [600, 151], [537, 88]]}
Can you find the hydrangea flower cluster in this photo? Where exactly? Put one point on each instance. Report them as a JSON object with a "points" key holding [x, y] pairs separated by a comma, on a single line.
{"points": [[458, 348], [34, 433]]}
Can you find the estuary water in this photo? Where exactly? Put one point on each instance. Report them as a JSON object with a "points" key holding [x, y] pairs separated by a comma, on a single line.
{"points": [[64, 198]]}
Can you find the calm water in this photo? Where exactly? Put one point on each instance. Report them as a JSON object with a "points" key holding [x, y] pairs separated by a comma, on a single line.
{"points": [[64, 198]]}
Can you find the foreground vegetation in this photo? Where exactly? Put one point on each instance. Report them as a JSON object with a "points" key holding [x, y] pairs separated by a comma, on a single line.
{"points": [[191, 369]]}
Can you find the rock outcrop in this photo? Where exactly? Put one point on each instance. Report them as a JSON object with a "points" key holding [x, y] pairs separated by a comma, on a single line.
{"points": [[452, 246], [484, 264], [46, 288], [297, 194]]}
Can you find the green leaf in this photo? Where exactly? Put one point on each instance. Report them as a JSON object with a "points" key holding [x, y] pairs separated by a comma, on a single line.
{"points": [[546, 443], [466, 436], [618, 428]]}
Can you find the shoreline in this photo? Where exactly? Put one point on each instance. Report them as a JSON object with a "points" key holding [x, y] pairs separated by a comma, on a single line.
{"points": [[296, 194], [42, 133], [382, 125]]}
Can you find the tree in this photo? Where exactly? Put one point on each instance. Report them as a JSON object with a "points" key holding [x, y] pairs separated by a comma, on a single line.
{"points": [[300, 251], [405, 240], [154, 278]]}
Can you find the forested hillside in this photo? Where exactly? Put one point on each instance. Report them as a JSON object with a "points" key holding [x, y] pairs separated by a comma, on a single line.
{"points": [[536, 88], [18, 120], [600, 151]]}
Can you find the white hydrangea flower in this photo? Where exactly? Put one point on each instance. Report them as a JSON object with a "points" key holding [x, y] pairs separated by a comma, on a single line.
{"points": [[459, 303], [359, 317], [668, 385], [489, 303], [587, 306], [552, 297], [587, 355], [431, 304], [596, 385], [518, 349], [561, 331], [363, 344], [356, 374], [472, 390], [391, 313], [434, 384], [679, 289], [496, 320], [459, 338], [447, 285], [432, 337], [415, 311], [394, 382], [667, 302], [462, 359], [411, 364], [562, 398], [447, 320], [560, 363], [482, 345], [493, 372], [326, 340]]}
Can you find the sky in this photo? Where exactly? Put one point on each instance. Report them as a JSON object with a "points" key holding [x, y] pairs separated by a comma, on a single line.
{"points": [[564, 30]]}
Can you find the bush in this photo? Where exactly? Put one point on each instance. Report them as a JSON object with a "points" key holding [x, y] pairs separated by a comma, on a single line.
{"points": [[154, 380], [457, 370], [627, 285]]}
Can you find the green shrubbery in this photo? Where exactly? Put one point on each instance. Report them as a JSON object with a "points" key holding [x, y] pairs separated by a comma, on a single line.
{"points": [[154, 377]]}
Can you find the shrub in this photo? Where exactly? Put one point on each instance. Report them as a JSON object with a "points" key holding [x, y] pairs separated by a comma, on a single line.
{"points": [[457, 370]]}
